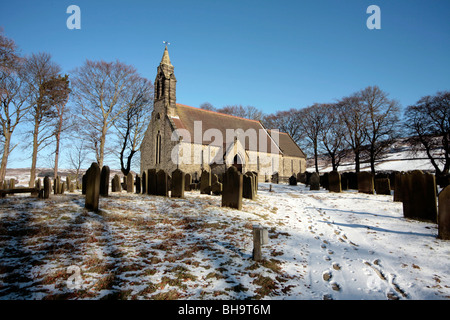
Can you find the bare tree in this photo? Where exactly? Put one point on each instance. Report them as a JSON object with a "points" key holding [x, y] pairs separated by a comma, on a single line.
{"points": [[354, 115], [248, 112], [131, 125], [428, 125], [285, 121], [312, 126], [382, 119], [14, 95], [40, 69], [77, 156], [99, 90], [207, 106], [332, 136]]}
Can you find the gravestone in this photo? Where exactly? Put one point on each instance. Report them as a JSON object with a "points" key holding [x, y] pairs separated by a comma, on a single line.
{"points": [[205, 182], [104, 181], [162, 184], [365, 182], [187, 182], [115, 184], [255, 181], [92, 187], [217, 188], [334, 182], [47, 187], [178, 184], [383, 186], [324, 180], [398, 186], [83, 184], [352, 179], [275, 178], [232, 188], [130, 182], [144, 182], [137, 184], [62, 188], [57, 185], [151, 181], [293, 180], [344, 182], [12, 183], [314, 181], [444, 214], [248, 189], [419, 196], [301, 177]]}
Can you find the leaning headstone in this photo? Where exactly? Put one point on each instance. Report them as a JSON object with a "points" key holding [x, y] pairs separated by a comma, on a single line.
{"points": [[314, 181], [92, 187], [151, 181], [293, 180], [187, 182], [232, 188], [365, 182], [104, 181], [383, 186], [130, 182], [334, 182], [178, 184], [444, 214], [162, 187], [248, 189], [419, 196], [205, 182], [47, 187]]}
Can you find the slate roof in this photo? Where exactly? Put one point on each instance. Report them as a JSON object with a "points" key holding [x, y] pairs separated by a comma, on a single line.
{"points": [[186, 116]]}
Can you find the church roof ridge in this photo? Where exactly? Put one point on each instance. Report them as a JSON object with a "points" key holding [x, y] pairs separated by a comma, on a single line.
{"points": [[219, 113]]}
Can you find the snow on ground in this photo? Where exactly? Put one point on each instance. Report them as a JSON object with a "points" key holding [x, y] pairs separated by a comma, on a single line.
{"points": [[322, 246]]}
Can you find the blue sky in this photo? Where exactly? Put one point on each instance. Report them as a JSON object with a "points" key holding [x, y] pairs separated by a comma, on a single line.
{"points": [[274, 55]]}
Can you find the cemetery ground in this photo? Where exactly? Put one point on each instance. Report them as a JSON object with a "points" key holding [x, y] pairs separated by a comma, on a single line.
{"points": [[322, 245]]}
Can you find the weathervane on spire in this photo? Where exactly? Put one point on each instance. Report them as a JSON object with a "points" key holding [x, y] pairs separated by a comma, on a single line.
{"points": [[167, 43]]}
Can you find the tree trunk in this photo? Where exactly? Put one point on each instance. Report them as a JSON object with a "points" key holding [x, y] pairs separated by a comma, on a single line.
{"points": [[34, 155], [357, 164], [55, 172], [102, 146], [5, 156], [315, 157]]}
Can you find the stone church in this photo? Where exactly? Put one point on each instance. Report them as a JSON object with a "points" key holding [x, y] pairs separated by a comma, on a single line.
{"points": [[194, 139]]}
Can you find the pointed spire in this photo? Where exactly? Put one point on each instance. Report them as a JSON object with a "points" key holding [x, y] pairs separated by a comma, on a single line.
{"points": [[165, 58]]}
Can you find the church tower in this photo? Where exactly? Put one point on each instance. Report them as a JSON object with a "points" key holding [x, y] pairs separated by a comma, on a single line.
{"points": [[165, 87]]}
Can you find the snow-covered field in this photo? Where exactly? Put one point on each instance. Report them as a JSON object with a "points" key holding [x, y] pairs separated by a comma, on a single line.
{"points": [[322, 246]]}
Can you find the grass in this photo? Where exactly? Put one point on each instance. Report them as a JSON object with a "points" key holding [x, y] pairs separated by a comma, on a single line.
{"points": [[151, 253]]}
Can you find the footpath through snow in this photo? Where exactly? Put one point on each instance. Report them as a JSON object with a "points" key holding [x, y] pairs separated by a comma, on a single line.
{"points": [[322, 246]]}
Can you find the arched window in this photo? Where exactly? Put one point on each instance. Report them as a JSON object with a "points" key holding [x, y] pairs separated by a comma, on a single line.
{"points": [[158, 148]]}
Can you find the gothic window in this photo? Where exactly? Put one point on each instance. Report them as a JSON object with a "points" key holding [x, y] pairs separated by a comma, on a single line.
{"points": [[158, 148]]}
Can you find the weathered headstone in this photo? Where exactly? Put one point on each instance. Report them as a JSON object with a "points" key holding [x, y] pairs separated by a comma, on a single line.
{"points": [[248, 188], [83, 183], [144, 182], [205, 182], [178, 184], [104, 181], [232, 188], [260, 238], [124, 183], [419, 196], [162, 188], [301, 177], [275, 177], [217, 188], [12, 183], [293, 180], [57, 185], [62, 188], [444, 214], [398, 186], [314, 181], [383, 186], [187, 182], [115, 184], [92, 187], [334, 182], [344, 182], [324, 180], [352, 179], [130, 182], [365, 182], [151, 181], [137, 184], [47, 187]]}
